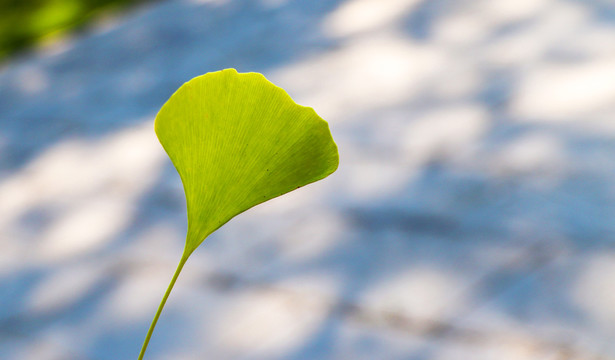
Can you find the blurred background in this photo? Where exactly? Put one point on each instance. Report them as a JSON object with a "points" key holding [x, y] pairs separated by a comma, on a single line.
{"points": [[471, 216]]}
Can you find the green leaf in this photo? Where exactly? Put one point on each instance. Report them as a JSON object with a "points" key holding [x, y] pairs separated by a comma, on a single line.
{"points": [[238, 140]]}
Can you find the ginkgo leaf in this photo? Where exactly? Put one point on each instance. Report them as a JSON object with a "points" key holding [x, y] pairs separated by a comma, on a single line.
{"points": [[236, 141]]}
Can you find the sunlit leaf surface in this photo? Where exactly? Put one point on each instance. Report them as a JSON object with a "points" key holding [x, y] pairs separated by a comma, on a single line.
{"points": [[237, 140]]}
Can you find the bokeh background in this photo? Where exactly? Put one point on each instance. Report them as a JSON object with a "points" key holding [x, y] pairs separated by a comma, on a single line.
{"points": [[472, 215]]}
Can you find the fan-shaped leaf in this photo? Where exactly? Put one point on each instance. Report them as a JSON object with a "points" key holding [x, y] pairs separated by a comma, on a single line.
{"points": [[237, 140]]}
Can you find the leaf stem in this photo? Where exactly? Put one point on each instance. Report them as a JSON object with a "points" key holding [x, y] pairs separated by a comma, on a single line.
{"points": [[161, 306]]}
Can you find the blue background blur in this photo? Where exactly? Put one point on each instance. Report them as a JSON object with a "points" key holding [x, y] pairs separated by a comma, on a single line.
{"points": [[471, 216]]}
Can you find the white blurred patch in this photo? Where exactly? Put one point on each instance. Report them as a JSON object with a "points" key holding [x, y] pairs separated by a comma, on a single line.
{"points": [[421, 293], [450, 131], [462, 29], [32, 80], [534, 153], [497, 346], [85, 228], [524, 47], [268, 322], [594, 292], [566, 91], [321, 287], [40, 350], [64, 287], [459, 81], [88, 188], [372, 179], [313, 237], [356, 16], [513, 11], [365, 74], [137, 296]]}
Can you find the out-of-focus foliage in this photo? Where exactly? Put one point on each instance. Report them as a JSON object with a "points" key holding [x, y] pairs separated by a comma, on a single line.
{"points": [[24, 23]]}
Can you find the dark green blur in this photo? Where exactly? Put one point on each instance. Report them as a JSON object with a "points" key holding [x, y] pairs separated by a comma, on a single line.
{"points": [[24, 23]]}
